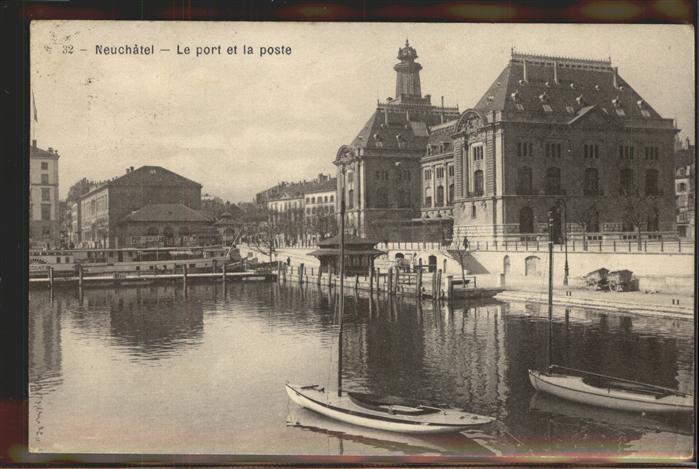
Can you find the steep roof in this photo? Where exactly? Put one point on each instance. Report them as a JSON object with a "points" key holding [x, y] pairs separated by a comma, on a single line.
{"points": [[152, 176], [400, 127], [581, 84], [165, 213]]}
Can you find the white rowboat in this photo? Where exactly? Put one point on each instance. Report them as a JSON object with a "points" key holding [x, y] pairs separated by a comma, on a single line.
{"points": [[351, 408], [611, 395]]}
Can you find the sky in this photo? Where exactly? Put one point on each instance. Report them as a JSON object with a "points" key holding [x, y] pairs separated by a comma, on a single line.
{"points": [[238, 124]]}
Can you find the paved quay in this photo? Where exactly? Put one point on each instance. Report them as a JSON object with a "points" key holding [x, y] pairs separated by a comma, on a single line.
{"points": [[660, 304]]}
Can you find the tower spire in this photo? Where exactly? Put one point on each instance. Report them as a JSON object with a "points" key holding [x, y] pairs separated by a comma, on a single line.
{"points": [[407, 72]]}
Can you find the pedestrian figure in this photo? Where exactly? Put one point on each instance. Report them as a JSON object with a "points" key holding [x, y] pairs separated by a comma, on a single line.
{"points": [[288, 261]]}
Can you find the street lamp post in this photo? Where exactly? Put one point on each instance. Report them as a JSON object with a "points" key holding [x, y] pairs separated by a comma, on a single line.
{"points": [[565, 238]]}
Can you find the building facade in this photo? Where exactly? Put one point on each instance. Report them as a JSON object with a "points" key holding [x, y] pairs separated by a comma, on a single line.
{"points": [[379, 171], [103, 207], [560, 135], [43, 196], [685, 185]]}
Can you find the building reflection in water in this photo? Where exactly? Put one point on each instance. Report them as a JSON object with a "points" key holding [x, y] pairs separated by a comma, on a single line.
{"points": [[150, 322]]}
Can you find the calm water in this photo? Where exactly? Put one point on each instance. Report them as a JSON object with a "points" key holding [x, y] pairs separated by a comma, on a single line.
{"points": [[148, 370]]}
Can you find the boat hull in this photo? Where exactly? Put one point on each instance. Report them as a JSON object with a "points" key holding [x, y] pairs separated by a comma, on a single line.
{"points": [[341, 408], [573, 388]]}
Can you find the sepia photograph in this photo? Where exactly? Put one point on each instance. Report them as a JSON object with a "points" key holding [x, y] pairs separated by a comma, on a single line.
{"points": [[469, 241]]}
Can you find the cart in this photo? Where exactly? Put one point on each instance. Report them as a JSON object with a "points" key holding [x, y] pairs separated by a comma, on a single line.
{"points": [[597, 279], [619, 280]]}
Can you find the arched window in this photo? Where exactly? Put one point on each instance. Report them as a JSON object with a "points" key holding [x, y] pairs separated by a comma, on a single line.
{"points": [[506, 265], [652, 222], [526, 220], [627, 182], [652, 182], [531, 266], [524, 180], [350, 196], [450, 195], [591, 182], [428, 197], [553, 181], [440, 196], [478, 183]]}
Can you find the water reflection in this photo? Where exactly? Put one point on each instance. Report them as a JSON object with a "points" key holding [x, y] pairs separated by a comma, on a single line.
{"points": [[212, 365]]}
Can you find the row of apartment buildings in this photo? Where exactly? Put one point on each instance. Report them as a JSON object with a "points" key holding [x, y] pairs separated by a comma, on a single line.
{"points": [[303, 211], [558, 133]]}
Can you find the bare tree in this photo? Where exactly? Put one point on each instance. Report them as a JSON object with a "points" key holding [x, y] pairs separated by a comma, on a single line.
{"points": [[263, 239], [637, 212], [585, 218]]}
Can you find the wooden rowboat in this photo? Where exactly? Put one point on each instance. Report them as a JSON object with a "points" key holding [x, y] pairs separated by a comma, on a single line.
{"points": [[611, 393], [358, 409]]}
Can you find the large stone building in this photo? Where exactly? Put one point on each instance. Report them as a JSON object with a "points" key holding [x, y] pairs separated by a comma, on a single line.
{"points": [[381, 165], [104, 207], [562, 132], [43, 196]]}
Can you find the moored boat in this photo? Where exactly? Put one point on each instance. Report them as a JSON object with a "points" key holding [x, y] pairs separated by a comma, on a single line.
{"points": [[394, 416], [611, 393]]}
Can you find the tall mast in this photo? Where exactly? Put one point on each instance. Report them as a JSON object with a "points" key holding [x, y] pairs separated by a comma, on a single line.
{"points": [[550, 302], [342, 279]]}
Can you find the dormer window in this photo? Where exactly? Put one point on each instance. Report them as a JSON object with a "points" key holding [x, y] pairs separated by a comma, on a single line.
{"points": [[570, 110], [544, 97], [580, 100], [547, 108], [519, 107], [620, 112], [597, 88], [572, 86], [616, 102], [645, 112], [547, 84], [515, 96]]}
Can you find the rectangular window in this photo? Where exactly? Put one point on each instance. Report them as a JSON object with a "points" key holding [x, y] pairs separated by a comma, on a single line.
{"points": [[477, 153], [450, 170], [44, 178], [46, 212], [44, 166], [428, 175], [440, 172], [45, 194], [552, 150], [525, 149]]}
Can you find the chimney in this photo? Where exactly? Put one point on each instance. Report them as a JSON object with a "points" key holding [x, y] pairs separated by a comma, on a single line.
{"points": [[524, 61], [51, 150], [555, 72], [385, 117], [615, 77], [442, 114], [131, 168], [34, 143]]}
